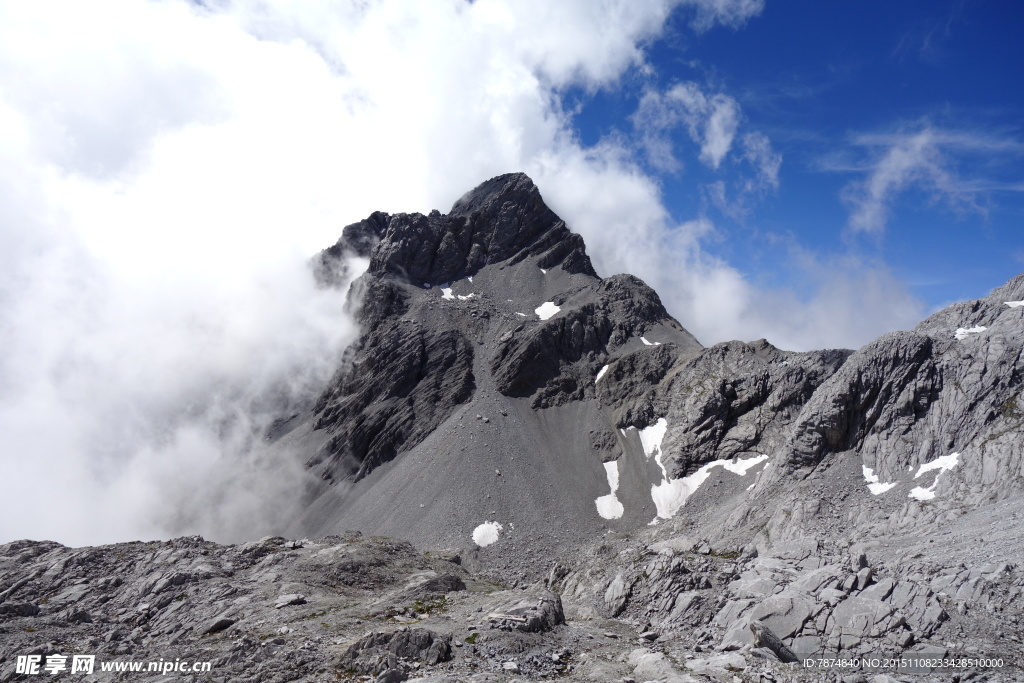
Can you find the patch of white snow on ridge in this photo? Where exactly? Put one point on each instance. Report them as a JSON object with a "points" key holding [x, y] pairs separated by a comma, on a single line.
{"points": [[544, 271], [470, 278], [600, 374], [522, 314], [740, 467], [943, 464], [649, 343], [609, 506], [671, 494], [546, 310], [962, 332], [1014, 304], [468, 296], [446, 293], [651, 437], [874, 485], [487, 533]]}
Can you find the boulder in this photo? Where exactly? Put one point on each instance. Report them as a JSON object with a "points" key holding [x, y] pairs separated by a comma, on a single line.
{"points": [[535, 612], [376, 653]]}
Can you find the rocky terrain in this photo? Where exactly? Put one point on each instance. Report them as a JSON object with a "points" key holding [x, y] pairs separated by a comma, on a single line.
{"points": [[525, 471]]}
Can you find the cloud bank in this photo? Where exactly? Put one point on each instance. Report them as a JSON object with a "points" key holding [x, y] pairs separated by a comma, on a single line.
{"points": [[168, 167]]}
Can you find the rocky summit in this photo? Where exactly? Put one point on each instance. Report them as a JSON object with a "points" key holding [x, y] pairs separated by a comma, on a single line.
{"points": [[524, 471]]}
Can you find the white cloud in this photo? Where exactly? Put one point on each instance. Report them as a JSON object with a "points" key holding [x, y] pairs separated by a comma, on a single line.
{"points": [[711, 121], [732, 13], [757, 150], [166, 168], [927, 160], [759, 176]]}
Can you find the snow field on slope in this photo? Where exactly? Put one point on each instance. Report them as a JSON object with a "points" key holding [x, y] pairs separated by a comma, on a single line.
{"points": [[670, 494], [546, 310], [609, 506], [962, 332], [874, 485], [943, 464]]}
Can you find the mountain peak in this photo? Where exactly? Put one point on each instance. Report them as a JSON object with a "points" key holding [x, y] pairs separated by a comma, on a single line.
{"points": [[517, 188], [502, 219]]}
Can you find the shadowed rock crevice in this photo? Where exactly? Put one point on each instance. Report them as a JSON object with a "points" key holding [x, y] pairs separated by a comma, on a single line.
{"points": [[392, 392]]}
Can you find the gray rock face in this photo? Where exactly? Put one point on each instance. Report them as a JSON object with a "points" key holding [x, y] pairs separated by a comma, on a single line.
{"points": [[377, 653], [536, 612], [540, 362], [279, 610], [738, 399], [492, 309], [928, 418], [394, 391], [410, 367]]}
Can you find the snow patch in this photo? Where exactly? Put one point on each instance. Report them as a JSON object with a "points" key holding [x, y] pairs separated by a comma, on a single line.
{"points": [[470, 278], [943, 464], [740, 467], [671, 494], [962, 332], [1014, 304], [650, 438], [609, 506], [600, 374], [468, 296], [544, 271], [487, 533], [649, 343], [546, 310], [874, 485], [522, 314], [446, 293]]}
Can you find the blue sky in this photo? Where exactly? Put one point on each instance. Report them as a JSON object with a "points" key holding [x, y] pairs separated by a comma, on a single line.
{"points": [[812, 173], [837, 87]]}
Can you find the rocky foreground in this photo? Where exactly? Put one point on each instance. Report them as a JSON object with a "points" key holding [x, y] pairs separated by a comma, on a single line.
{"points": [[355, 608]]}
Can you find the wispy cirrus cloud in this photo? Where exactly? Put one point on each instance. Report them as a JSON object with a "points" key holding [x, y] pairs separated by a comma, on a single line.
{"points": [[733, 13], [711, 121], [954, 167], [757, 150]]}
